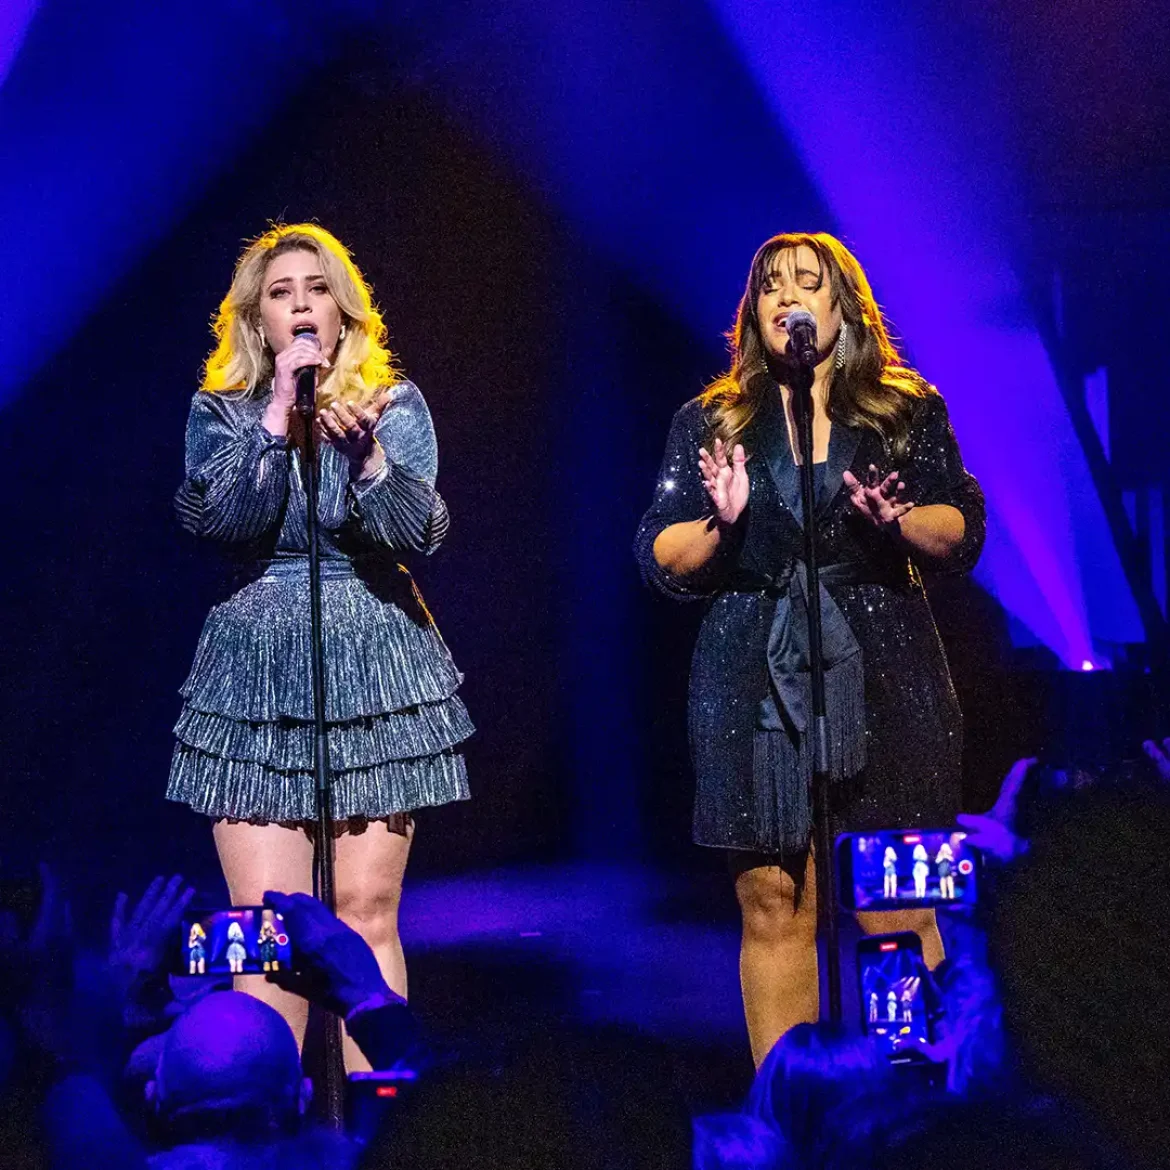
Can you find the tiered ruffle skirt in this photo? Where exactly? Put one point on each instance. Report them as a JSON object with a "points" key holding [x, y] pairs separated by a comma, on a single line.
{"points": [[394, 720]]}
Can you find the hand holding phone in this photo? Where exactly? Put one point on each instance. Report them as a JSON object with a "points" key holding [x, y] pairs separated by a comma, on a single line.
{"points": [[336, 968]]}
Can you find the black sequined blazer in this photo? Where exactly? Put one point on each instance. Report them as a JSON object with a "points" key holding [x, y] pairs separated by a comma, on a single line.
{"points": [[895, 730]]}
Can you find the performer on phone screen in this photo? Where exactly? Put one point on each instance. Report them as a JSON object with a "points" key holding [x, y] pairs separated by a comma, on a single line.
{"points": [[725, 528], [921, 870], [197, 950], [237, 952], [244, 755], [945, 867], [890, 872]]}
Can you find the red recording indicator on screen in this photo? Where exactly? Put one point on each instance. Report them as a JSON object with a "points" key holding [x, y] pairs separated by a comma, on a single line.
{"points": [[966, 868], [887, 946], [911, 839]]}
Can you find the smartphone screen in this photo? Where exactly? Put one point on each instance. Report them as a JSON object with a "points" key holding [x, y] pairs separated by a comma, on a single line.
{"points": [[892, 979], [900, 867], [241, 940]]}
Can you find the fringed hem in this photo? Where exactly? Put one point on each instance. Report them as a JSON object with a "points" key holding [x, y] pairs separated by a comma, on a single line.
{"points": [[253, 659], [287, 745], [247, 791], [777, 806]]}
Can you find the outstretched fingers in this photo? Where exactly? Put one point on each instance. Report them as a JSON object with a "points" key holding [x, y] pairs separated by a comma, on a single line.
{"points": [[1005, 803], [707, 464], [147, 903]]}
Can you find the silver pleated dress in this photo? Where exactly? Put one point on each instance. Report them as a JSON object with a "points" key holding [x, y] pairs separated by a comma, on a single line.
{"points": [[395, 721]]}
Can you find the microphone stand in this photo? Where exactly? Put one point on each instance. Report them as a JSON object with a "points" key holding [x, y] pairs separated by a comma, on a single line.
{"points": [[323, 867], [801, 383]]}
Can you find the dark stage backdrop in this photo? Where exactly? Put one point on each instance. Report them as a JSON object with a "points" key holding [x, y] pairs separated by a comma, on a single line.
{"points": [[551, 382], [551, 378]]}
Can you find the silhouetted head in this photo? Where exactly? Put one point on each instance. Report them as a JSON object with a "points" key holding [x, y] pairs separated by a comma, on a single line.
{"points": [[736, 1141], [812, 1070], [229, 1067], [933, 1132], [1080, 939]]}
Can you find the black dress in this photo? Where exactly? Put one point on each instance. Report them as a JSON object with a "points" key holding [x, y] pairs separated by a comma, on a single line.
{"points": [[895, 726]]}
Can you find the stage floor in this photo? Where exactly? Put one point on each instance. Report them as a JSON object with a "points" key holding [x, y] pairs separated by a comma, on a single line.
{"points": [[632, 958]]}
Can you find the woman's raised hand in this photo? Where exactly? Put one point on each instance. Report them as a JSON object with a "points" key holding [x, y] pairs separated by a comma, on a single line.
{"points": [[304, 351], [726, 480], [880, 501], [349, 427]]}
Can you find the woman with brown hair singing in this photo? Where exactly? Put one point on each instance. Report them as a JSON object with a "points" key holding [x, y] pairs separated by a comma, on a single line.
{"points": [[726, 528]]}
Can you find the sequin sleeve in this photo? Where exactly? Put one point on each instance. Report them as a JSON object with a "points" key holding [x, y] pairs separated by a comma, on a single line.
{"points": [[678, 498], [935, 474], [237, 473], [398, 508]]}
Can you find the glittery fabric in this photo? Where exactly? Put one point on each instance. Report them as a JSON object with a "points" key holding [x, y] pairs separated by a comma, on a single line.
{"points": [[395, 721], [753, 783]]}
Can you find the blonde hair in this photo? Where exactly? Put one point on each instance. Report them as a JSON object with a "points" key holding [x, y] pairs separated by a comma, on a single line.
{"points": [[874, 388], [242, 359]]}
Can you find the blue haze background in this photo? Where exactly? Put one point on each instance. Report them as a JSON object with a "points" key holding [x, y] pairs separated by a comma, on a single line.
{"points": [[556, 205]]}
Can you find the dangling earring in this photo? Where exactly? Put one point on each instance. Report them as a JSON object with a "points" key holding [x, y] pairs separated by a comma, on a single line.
{"points": [[842, 334], [260, 333], [341, 333]]}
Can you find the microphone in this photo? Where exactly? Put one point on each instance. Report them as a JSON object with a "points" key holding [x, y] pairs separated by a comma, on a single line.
{"points": [[307, 377], [801, 327]]}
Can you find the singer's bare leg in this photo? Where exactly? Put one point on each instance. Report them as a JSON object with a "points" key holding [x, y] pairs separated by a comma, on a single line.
{"points": [[370, 863], [255, 858], [778, 954]]}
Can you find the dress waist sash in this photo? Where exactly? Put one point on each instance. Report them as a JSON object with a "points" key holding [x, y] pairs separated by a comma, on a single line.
{"points": [[787, 705]]}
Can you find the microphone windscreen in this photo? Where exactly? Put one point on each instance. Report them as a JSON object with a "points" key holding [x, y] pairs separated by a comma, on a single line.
{"points": [[800, 319]]}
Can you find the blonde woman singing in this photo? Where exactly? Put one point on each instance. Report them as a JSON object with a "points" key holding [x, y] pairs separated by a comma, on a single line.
{"points": [[244, 755]]}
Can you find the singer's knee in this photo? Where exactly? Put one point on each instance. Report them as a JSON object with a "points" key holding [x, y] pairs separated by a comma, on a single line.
{"points": [[371, 910], [771, 907]]}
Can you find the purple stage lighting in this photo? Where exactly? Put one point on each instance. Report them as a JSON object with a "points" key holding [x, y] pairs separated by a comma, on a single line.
{"points": [[901, 135]]}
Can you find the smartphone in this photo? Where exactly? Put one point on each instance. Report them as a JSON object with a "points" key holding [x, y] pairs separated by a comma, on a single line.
{"points": [[369, 1095], [893, 983], [239, 940], [895, 868]]}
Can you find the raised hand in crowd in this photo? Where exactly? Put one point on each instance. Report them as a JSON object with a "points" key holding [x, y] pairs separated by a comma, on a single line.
{"points": [[138, 943], [1159, 753], [993, 832]]}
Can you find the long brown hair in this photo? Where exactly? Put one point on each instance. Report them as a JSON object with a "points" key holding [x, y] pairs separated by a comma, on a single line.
{"points": [[242, 360], [874, 389]]}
